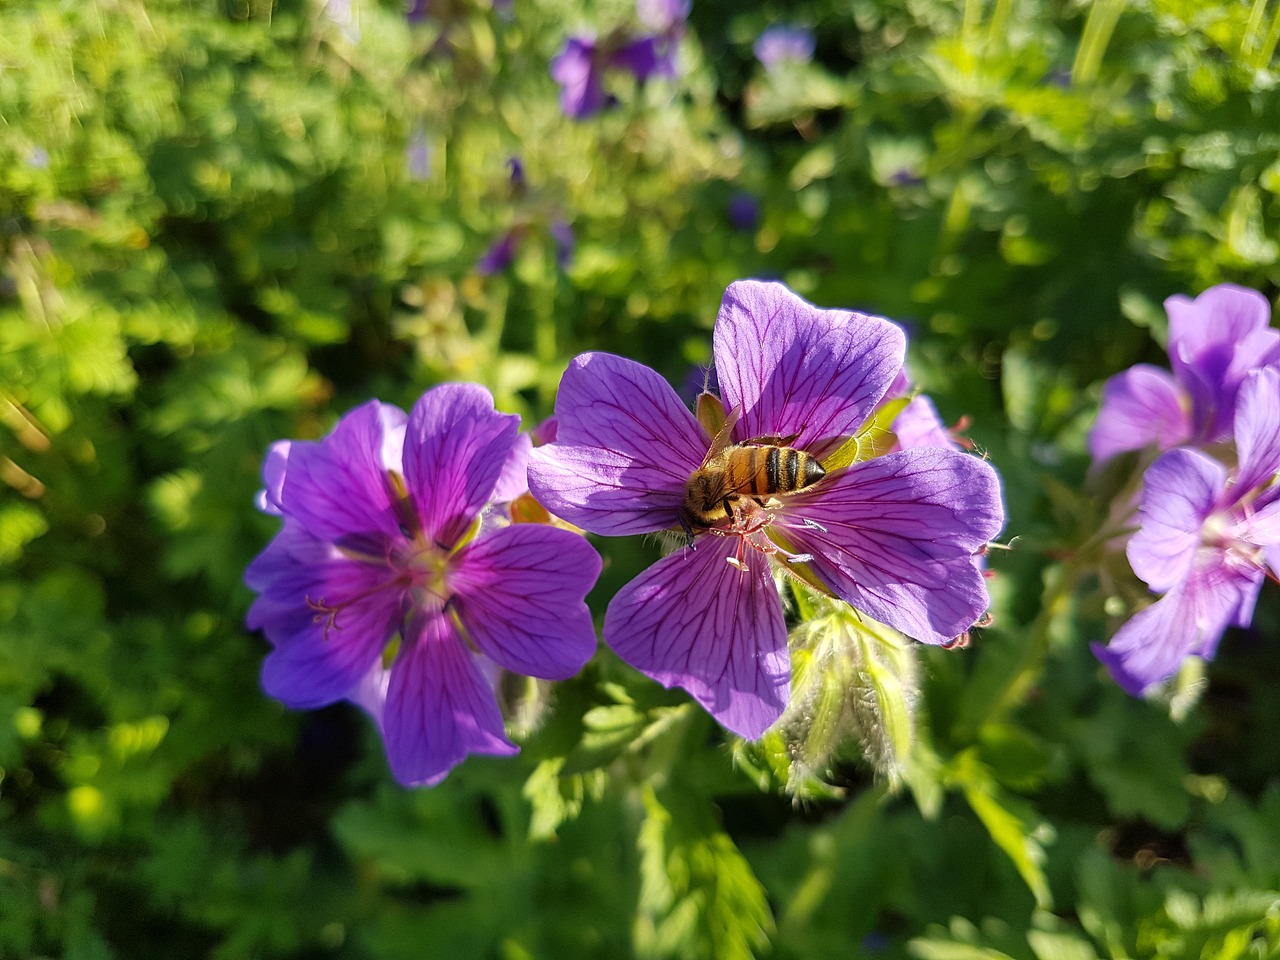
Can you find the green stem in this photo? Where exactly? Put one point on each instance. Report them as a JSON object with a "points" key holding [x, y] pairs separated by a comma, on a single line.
{"points": [[1268, 48], [1098, 29]]}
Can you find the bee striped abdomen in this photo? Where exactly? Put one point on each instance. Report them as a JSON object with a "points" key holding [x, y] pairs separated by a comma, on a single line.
{"points": [[755, 470]]}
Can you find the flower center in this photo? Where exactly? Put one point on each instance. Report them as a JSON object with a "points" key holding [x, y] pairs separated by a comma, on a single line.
{"points": [[749, 521]]}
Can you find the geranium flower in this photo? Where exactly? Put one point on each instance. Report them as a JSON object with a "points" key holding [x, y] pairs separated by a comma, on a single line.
{"points": [[781, 44], [895, 536], [1206, 539], [386, 535], [1214, 342], [580, 67]]}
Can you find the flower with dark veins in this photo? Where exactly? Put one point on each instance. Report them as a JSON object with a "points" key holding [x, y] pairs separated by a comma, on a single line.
{"points": [[1215, 341], [1207, 538], [392, 583], [896, 536]]}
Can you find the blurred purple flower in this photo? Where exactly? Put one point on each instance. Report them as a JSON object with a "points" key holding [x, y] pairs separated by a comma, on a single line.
{"points": [[580, 68], [744, 211], [895, 536], [781, 44], [501, 252], [38, 158], [519, 184], [418, 156], [385, 536], [1206, 539], [565, 242], [1214, 342], [417, 11], [663, 16]]}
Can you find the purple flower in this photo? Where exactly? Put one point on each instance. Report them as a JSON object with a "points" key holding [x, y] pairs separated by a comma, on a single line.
{"points": [[580, 67], [416, 11], [895, 536], [663, 16], [1214, 342], [565, 243], [1207, 536], [779, 45], [418, 155], [500, 253], [744, 211], [391, 585]]}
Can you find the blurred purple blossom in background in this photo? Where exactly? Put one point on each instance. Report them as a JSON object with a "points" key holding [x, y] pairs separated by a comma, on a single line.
{"points": [[897, 536], [781, 44], [418, 155], [744, 211], [502, 252], [582, 63], [392, 583]]}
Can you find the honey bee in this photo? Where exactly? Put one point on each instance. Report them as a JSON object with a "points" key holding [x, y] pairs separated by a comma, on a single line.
{"points": [[759, 468]]}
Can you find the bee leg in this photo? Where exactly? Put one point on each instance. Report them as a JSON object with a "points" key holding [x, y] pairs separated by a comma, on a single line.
{"points": [[688, 533]]}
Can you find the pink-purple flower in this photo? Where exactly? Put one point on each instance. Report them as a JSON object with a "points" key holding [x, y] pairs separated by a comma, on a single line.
{"points": [[896, 536], [1207, 538], [1214, 342], [393, 582], [782, 44]]}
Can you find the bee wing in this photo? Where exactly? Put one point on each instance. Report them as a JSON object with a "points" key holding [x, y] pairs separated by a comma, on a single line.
{"points": [[722, 438]]}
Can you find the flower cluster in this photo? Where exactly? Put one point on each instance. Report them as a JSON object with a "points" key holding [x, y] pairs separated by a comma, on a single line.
{"points": [[896, 536], [534, 213], [582, 64], [400, 582], [394, 584], [1209, 510]]}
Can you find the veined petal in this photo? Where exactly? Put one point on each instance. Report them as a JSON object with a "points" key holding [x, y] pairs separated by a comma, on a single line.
{"points": [[515, 472], [625, 447], [456, 449], [788, 367], [896, 537], [694, 621], [1141, 407], [319, 655], [1179, 492], [1214, 341], [439, 707], [337, 488], [1257, 430], [519, 592], [1186, 621], [918, 425]]}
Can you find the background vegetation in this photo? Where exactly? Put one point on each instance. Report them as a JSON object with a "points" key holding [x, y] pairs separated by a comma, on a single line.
{"points": [[223, 222]]}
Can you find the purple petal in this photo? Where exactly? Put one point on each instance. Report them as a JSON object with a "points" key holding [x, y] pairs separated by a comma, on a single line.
{"points": [[519, 594], [639, 56], [625, 448], [918, 425], [500, 253], [338, 488], [1179, 492], [562, 234], [319, 657], [788, 367], [439, 707], [1214, 341], [1257, 430], [896, 537], [782, 44], [581, 91], [273, 470], [456, 449], [1141, 407], [515, 472], [663, 15], [1186, 621], [694, 621]]}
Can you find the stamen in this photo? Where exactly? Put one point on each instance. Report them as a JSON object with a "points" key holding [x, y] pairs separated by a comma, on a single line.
{"points": [[812, 525]]}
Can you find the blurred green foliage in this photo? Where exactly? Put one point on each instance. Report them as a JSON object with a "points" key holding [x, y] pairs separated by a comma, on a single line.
{"points": [[227, 221]]}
